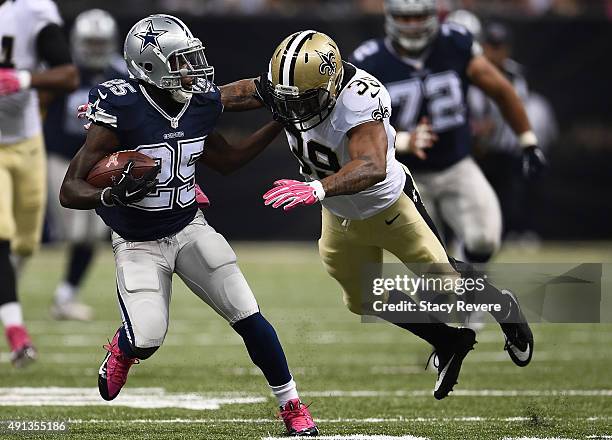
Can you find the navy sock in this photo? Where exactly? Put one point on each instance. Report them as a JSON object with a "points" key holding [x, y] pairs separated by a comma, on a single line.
{"points": [[134, 352], [264, 348], [81, 255], [8, 287]]}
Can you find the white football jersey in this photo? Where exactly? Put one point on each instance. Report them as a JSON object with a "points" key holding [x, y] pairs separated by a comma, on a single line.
{"points": [[20, 23], [323, 149]]}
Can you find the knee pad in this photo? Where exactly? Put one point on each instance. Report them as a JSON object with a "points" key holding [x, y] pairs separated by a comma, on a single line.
{"points": [[150, 326]]}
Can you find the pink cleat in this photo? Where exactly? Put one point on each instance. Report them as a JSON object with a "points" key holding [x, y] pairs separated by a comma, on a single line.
{"points": [[298, 421], [201, 199], [114, 370], [22, 350]]}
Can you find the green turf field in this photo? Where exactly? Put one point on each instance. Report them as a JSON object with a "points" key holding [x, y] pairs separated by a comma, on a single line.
{"points": [[362, 379]]}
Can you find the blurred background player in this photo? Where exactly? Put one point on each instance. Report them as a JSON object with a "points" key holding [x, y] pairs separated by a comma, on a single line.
{"points": [[30, 33], [93, 40], [498, 148], [427, 68]]}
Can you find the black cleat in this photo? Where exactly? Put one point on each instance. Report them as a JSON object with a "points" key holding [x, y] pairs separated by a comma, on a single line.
{"points": [[449, 360], [519, 338]]}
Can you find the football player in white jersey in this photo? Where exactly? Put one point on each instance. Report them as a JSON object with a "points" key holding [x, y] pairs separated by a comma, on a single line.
{"points": [[336, 119], [30, 33]]}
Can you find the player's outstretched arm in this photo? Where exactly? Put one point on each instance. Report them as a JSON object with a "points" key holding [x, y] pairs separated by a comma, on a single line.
{"points": [[368, 151], [226, 157], [488, 78], [62, 75], [240, 96]]}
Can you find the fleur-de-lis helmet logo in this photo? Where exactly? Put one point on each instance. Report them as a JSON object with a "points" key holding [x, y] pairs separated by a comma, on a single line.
{"points": [[328, 63]]}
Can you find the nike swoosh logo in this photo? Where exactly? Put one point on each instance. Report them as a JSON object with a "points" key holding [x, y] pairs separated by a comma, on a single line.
{"points": [[520, 354], [443, 373], [130, 194], [389, 222], [102, 95]]}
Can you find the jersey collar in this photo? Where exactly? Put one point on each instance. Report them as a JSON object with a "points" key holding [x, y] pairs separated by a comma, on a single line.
{"points": [[174, 121]]}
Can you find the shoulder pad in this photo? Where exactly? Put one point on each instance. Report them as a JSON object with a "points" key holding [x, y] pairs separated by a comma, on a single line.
{"points": [[212, 95], [364, 51], [110, 104], [364, 99], [43, 12], [458, 35]]}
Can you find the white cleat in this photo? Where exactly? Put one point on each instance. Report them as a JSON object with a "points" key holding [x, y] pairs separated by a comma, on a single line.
{"points": [[71, 311]]}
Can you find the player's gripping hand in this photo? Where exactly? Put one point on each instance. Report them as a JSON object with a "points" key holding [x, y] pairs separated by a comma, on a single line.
{"points": [[534, 162], [130, 189], [292, 193], [13, 81], [416, 142]]}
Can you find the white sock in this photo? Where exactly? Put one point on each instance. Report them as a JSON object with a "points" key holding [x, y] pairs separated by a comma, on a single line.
{"points": [[10, 314], [285, 393], [65, 293], [18, 262]]}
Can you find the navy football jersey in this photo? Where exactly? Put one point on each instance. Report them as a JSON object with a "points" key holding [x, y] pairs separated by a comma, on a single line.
{"points": [[64, 132], [434, 86], [175, 142]]}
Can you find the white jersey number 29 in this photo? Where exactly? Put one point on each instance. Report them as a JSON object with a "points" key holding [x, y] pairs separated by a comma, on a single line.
{"points": [[445, 101]]}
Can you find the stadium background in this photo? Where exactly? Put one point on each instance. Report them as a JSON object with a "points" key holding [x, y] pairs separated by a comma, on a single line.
{"points": [[365, 379], [562, 44]]}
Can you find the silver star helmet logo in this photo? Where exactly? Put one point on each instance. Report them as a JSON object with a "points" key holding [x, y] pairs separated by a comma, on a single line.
{"points": [[149, 37]]}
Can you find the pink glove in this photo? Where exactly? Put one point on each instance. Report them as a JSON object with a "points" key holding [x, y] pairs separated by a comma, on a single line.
{"points": [[82, 114], [292, 193], [9, 82], [201, 199]]}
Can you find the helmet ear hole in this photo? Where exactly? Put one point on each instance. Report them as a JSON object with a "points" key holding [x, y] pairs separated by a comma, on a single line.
{"points": [[148, 67]]}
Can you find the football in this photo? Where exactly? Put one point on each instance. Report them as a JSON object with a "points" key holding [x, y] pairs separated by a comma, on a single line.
{"points": [[108, 170]]}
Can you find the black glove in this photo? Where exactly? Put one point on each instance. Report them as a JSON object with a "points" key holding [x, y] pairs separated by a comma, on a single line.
{"points": [[130, 189], [534, 162]]}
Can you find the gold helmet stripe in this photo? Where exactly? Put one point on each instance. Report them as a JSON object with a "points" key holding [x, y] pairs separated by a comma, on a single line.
{"points": [[291, 56]]}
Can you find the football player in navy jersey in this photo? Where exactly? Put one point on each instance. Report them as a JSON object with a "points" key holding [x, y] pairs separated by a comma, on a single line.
{"points": [[93, 41], [169, 111], [427, 68]]}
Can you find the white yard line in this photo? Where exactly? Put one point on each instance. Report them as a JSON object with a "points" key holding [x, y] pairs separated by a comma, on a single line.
{"points": [[146, 398], [152, 398]]}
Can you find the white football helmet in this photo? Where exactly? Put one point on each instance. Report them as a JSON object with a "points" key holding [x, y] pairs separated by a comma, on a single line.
{"points": [[94, 39], [412, 37], [161, 50], [468, 20]]}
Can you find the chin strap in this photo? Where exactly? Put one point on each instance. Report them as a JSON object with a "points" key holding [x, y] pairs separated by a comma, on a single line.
{"points": [[180, 95]]}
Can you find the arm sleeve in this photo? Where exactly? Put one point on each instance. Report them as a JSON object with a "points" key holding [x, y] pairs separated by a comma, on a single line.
{"points": [[52, 45]]}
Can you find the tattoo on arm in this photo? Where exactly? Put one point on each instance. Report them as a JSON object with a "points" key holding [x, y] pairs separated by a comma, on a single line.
{"points": [[240, 96], [358, 175], [368, 165]]}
